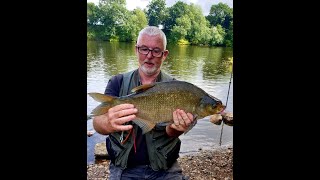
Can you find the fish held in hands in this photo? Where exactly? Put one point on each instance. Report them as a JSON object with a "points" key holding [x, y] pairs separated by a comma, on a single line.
{"points": [[156, 103]]}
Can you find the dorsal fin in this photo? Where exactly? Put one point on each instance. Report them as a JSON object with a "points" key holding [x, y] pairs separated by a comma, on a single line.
{"points": [[101, 97], [142, 88]]}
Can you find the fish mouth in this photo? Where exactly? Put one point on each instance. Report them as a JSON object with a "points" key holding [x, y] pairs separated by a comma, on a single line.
{"points": [[221, 108]]}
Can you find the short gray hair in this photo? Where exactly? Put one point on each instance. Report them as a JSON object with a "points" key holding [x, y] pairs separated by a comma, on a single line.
{"points": [[153, 31]]}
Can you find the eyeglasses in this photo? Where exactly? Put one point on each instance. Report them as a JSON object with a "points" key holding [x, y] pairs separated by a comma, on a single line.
{"points": [[156, 52]]}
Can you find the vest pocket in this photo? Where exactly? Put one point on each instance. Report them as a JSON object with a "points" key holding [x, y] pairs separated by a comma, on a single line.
{"points": [[170, 151], [115, 146], [110, 151]]}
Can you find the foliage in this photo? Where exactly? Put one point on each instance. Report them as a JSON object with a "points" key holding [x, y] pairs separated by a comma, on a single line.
{"points": [[229, 36], [172, 13], [156, 12], [200, 31], [110, 2], [180, 30], [182, 23], [218, 34], [183, 42], [220, 14], [92, 14]]}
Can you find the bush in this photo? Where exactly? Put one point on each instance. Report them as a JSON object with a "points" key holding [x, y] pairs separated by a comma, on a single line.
{"points": [[183, 42]]}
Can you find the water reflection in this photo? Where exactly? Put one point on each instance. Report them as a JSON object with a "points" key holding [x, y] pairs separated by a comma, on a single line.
{"points": [[206, 67]]}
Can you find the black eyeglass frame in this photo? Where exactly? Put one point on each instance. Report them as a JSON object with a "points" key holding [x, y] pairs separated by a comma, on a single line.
{"points": [[149, 49]]}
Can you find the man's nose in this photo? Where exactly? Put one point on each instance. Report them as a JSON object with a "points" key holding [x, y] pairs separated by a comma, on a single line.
{"points": [[149, 55]]}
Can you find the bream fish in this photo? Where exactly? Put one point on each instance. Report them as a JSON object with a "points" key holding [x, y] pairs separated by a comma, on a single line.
{"points": [[156, 102]]}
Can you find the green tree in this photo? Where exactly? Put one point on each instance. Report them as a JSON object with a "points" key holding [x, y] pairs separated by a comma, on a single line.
{"points": [[114, 16], [199, 32], [229, 36], [188, 24], [180, 29], [136, 20], [156, 12], [110, 2], [141, 20], [94, 27], [183, 23], [174, 12], [218, 35], [220, 14], [92, 14]]}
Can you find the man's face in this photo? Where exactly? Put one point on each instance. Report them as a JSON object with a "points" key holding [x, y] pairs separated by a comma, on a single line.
{"points": [[148, 63]]}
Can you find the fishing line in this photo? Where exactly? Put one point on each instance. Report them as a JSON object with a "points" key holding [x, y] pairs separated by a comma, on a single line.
{"points": [[226, 104]]}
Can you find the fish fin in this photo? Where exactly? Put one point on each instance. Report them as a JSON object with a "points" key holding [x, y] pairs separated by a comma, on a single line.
{"points": [[194, 122], [106, 103], [145, 125], [101, 109], [101, 97], [164, 123], [142, 88], [89, 117]]}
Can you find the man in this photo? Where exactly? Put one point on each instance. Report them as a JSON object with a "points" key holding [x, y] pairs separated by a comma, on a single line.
{"points": [[154, 154]]}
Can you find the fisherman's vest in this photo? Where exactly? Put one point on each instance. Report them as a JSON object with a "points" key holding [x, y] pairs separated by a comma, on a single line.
{"points": [[162, 149]]}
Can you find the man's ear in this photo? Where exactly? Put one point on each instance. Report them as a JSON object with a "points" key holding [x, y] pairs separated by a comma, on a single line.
{"points": [[136, 50], [165, 54]]}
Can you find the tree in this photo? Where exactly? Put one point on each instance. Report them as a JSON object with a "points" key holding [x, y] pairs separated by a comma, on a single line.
{"points": [[114, 16], [174, 12], [156, 12], [218, 34], [92, 14], [220, 14], [229, 36], [141, 19], [181, 28], [136, 20], [182, 23], [199, 32], [110, 2], [188, 24]]}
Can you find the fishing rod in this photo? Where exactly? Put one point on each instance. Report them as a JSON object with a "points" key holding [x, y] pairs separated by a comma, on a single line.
{"points": [[226, 104]]}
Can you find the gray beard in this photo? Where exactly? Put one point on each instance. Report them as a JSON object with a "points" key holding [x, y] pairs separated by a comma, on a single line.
{"points": [[149, 71]]}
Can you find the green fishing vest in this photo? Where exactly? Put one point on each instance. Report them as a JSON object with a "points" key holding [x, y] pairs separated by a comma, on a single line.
{"points": [[162, 149]]}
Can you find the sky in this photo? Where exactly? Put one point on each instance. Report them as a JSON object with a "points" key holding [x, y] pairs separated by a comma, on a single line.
{"points": [[204, 4]]}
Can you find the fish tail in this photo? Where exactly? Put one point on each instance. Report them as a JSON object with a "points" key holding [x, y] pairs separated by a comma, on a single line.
{"points": [[106, 103]]}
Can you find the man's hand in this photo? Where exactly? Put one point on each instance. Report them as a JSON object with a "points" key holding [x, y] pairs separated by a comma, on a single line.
{"points": [[181, 120], [113, 120]]}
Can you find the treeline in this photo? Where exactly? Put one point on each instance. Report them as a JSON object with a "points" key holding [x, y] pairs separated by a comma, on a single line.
{"points": [[182, 23]]}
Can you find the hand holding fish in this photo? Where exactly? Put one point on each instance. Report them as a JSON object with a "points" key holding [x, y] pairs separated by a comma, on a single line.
{"points": [[181, 120], [181, 123], [113, 120]]}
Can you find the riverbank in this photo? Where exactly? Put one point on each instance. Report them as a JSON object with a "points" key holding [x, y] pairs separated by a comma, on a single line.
{"points": [[215, 164]]}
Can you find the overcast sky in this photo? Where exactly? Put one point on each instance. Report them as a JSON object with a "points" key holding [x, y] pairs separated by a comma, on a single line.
{"points": [[204, 4]]}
